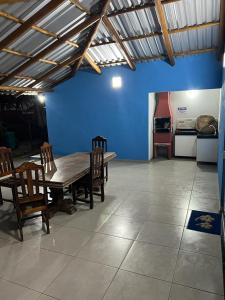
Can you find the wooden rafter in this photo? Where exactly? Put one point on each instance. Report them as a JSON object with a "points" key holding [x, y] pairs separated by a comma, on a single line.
{"points": [[91, 37], [45, 76], [222, 30], [92, 63], [80, 6], [119, 42], [160, 57], [149, 4], [84, 25], [22, 89], [45, 32], [165, 33], [29, 22], [153, 34]]}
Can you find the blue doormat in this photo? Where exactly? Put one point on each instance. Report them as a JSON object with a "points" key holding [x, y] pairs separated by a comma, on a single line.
{"points": [[205, 222]]}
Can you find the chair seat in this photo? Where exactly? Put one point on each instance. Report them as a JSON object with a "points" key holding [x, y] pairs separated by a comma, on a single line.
{"points": [[37, 197], [8, 182], [32, 209]]}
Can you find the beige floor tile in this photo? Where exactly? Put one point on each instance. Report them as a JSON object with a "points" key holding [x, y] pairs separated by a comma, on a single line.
{"points": [[82, 280], [106, 249], [130, 286]]}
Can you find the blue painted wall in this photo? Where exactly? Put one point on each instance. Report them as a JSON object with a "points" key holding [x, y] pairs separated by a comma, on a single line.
{"points": [[86, 105], [222, 141]]}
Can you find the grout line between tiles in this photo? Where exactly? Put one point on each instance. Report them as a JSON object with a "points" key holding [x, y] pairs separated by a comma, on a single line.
{"points": [[183, 232]]}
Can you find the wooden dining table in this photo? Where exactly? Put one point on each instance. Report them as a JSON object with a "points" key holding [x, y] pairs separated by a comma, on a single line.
{"points": [[64, 171]]}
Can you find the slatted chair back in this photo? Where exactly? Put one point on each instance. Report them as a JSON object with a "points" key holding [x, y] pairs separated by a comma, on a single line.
{"points": [[30, 178], [99, 141], [6, 161], [46, 153], [97, 164]]}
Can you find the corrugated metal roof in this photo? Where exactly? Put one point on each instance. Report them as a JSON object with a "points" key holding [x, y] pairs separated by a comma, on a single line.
{"points": [[67, 16]]}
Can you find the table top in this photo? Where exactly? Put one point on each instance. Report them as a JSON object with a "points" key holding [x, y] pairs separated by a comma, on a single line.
{"points": [[65, 170]]}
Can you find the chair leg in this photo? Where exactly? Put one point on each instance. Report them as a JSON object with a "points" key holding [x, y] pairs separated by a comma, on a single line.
{"points": [[106, 172], [1, 199], [47, 221], [86, 192], [74, 193], [102, 193], [20, 226], [91, 198]]}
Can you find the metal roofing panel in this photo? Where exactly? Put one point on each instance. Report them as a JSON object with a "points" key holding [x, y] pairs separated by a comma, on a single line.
{"points": [[59, 74], [19, 82], [24, 9], [195, 39], [9, 62], [6, 27], [37, 69], [120, 4], [191, 12], [105, 53], [65, 17], [32, 42], [135, 23]]}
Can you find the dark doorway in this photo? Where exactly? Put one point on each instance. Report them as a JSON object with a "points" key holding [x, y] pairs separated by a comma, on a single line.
{"points": [[23, 126]]}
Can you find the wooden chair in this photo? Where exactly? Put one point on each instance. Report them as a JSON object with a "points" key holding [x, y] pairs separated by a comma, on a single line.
{"points": [[46, 153], [100, 141], [94, 179], [30, 194], [6, 168]]}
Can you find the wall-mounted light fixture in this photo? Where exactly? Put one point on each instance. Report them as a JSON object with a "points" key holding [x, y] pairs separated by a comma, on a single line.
{"points": [[41, 98], [116, 82]]}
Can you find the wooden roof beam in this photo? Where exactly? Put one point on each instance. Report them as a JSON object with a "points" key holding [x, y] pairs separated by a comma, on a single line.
{"points": [[152, 34], [138, 7], [165, 33], [91, 37], [67, 62], [160, 57], [80, 6], [29, 22], [48, 33], [119, 42], [92, 63], [22, 89], [84, 25], [221, 30]]}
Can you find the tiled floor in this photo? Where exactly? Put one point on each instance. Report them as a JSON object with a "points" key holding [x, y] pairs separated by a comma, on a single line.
{"points": [[134, 246]]}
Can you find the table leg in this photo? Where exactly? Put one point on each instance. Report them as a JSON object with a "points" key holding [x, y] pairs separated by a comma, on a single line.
{"points": [[1, 200], [60, 204]]}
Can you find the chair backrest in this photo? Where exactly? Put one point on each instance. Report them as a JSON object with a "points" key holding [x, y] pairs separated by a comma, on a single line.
{"points": [[6, 161], [30, 183], [99, 141], [46, 153], [97, 163]]}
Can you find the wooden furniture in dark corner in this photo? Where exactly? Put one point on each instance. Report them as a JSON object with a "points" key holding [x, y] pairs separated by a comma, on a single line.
{"points": [[32, 195], [95, 178], [6, 169], [100, 141]]}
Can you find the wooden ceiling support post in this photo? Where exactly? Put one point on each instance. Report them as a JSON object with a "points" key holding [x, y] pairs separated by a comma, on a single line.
{"points": [[165, 33], [119, 42], [91, 37], [221, 30]]}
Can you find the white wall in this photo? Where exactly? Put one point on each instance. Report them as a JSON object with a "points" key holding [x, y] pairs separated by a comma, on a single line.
{"points": [[151, 110], [201, 102]]}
